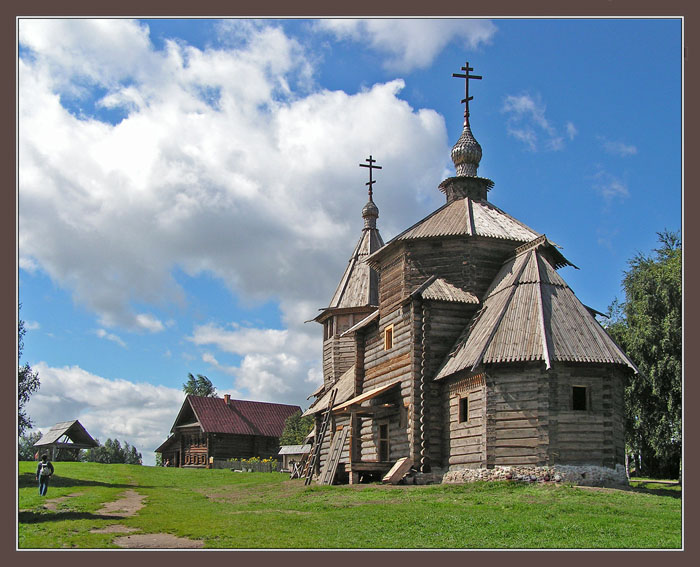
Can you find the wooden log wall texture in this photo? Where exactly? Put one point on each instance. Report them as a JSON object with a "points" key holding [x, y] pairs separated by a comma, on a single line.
{"points": [[222, 446], [468, 263], [446, 323], [338, 355], [380, 367], [517, 415], [465, 443], [392, 282], [369, 435], [594, 436]]}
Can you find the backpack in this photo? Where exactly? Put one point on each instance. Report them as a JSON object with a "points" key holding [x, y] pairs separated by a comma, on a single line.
{"points": [[44, 469]]}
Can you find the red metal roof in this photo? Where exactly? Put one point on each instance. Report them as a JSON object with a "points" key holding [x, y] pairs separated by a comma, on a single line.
{"points": [[241, 417]]}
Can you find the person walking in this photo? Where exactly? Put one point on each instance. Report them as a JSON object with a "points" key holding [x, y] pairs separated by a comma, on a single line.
{"points": [[43, 472]]}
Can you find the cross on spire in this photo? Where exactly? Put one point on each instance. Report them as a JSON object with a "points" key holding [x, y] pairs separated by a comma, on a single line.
{"points": [[370, 164], [466, 76]]}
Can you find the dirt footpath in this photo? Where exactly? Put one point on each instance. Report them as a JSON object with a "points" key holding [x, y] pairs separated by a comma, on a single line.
{"points": [[128, 505]]}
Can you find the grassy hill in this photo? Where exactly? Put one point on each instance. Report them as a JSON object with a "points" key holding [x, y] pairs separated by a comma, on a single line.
{"points": [[223, 509]]}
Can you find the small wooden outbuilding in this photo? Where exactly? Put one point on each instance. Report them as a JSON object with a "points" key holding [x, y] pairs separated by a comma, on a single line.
{"points": [[67, 435], [208, 428], [293, 454]]}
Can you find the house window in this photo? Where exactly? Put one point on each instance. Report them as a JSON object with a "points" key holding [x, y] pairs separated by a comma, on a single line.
{"points": [[579, 398], [464, 409], [388, 337], [384, 442]]}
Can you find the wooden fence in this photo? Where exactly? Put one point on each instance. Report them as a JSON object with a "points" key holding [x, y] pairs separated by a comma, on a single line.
{"points": [[239, 465]]}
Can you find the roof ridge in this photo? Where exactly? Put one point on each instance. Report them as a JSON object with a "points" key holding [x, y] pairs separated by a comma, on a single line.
{"points": [[498, 322]]}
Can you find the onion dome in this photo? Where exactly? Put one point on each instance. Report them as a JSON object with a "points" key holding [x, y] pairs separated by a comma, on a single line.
{"points": [[466, 153], [370, 213]]}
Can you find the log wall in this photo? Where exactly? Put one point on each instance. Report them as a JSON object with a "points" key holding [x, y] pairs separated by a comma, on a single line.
{"points": [[380, 367], [596, 435], [338, 356], [465, 442], [223, 446], [517, 415], [468, 263]]}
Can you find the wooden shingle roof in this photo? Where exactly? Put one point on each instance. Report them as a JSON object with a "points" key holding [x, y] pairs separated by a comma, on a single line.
{"points": [[464, 217], [530, 313], [359, 285], [345, 385], [241, 417], [67, 432], [441, 290]]}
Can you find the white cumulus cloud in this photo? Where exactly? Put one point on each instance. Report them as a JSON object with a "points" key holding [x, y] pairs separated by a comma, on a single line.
{"points": [[276, 365], [411, 43], [138, 413], [220, 165]]}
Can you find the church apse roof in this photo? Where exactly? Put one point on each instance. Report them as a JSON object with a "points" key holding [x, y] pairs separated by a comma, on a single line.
{"points": [[530, 314]]}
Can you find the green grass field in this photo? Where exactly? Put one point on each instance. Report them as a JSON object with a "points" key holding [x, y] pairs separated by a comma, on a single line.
{"points": [[224, 510]]}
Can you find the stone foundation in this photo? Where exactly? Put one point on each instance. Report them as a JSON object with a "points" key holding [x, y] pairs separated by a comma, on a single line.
{"points": [[585, 475]]}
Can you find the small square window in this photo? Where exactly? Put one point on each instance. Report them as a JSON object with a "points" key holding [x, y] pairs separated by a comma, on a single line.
{"points": [[579, 398], [464, 409], [388, 337]]}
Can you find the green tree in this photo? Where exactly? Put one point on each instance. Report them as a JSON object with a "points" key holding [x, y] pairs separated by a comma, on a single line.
{"points": [[113, 452], [648, 326], [296, 428], [199, 386], [27, 383], [27, 450]]}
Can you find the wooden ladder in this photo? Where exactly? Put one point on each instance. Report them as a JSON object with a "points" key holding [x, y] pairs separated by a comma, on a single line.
{"points": [[331, 464], [316, 449]]}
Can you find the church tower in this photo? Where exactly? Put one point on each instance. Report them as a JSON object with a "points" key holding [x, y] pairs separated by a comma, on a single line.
{"points": [[458, 350], [355, 297]]}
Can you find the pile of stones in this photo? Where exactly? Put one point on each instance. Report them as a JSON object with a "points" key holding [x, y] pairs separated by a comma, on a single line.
{"points": [[587, 475]]}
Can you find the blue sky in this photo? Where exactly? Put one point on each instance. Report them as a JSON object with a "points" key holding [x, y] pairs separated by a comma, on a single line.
{"points": [[189, 190]]}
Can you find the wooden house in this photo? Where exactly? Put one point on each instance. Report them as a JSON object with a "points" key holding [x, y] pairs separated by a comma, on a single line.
{"points": [[458, 345], [208, 428]]}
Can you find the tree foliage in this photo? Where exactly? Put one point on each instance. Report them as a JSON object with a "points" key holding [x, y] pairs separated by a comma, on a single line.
{"points": [[199, 386], [113, 452], [648, 326], [27, 383], [296, 428], [26, 449]]}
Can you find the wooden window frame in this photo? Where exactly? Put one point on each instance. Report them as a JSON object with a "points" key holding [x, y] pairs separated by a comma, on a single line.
{"points": [[586, 398], [463, 409], [381, 440], [389, 337]]}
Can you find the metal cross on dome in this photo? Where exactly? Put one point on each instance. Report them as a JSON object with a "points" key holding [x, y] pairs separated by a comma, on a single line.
{"points": [[466, 78], [370, 164]]}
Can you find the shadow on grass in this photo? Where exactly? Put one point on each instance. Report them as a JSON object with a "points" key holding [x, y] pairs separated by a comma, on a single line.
{"points": [[29, 479], [657, 491], [30, 517]]}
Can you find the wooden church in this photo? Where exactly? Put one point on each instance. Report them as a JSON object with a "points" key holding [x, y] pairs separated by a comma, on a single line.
{"points": [[457, 349]]}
